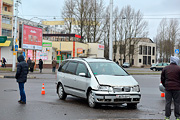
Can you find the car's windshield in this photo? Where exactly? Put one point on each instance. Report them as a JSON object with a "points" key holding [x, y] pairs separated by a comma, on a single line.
{"points": [[107, 68]]}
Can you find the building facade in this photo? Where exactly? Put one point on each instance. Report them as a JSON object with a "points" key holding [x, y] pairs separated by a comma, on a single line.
{"points": [[6, 29], [141, 53]]}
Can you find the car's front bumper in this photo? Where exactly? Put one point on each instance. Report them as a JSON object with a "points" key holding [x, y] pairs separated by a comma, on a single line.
{"points": [[112, 98]]}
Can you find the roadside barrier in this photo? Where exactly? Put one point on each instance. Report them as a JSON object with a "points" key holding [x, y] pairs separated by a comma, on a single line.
{"points": [[43, 89]]}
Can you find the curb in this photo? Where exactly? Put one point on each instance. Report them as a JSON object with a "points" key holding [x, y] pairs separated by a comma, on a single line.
{"points": [[7, 76]]}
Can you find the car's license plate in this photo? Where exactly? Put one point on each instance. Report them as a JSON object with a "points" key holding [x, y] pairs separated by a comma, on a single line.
{"points": [[122, 96]]}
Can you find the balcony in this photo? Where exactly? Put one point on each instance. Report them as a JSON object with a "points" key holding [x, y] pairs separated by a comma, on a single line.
{"points": [[7, 13], [7, 26], [8, 2]]}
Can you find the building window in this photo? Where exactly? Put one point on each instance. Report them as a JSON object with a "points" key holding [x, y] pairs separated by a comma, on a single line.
{"points": [[144, 50], [139, 60], [6, 20], [140, 49], [7, 32], [152, 61], [153, 50], [149, 50], [5, 8], [132, 49], [122, 49]]}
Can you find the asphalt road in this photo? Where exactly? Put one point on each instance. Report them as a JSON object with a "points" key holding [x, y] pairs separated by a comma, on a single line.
{"points": [[49, 107]]}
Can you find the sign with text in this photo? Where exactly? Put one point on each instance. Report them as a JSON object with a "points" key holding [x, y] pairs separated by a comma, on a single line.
{"points": [[101, 46], [79, 50], [31, 38], [47, 44]]}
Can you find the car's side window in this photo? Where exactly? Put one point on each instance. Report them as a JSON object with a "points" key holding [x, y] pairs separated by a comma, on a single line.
{"points": [[165, 64], [81, 68], [71, 67], [160, 64], [63, 66]]}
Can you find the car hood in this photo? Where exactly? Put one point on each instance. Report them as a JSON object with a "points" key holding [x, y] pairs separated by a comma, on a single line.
{"points": [[116, 80]]}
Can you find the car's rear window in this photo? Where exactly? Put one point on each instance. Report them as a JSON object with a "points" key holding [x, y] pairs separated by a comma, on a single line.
{"points": [[107, 68]]}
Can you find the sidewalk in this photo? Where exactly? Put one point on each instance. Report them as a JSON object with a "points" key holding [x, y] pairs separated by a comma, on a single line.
{"points": [[5, 73]]}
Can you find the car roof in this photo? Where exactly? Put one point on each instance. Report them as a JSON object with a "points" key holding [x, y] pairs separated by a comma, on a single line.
{"points": [[90, 60]]}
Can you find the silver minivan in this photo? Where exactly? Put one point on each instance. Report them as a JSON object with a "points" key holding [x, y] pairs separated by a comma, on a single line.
{"points": [[100, 81]]}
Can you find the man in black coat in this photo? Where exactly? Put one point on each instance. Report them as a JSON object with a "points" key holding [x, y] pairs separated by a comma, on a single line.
{"points": [[21, 77], [170, 78]]}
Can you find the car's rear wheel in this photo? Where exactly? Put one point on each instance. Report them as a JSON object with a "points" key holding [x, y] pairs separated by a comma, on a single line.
{"points": [[132, 105], [91, 100], [62, 95]]}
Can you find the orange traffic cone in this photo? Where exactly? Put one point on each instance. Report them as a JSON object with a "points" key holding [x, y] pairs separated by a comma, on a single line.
{"points": [[162, 94], [43, 89]]}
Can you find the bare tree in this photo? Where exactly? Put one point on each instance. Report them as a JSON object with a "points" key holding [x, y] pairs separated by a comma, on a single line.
{"points": [[167, 38], [133, 27], [68, 14], [81, 13]]}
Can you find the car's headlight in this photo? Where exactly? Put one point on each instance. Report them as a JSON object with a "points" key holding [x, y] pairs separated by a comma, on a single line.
{"points": [[136, 88], [105, 88]]}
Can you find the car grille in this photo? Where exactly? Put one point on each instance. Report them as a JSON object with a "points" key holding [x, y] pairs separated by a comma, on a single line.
{"points": [[122, 89]]}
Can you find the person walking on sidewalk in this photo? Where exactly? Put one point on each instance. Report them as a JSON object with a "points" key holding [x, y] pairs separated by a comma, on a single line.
{"points": [[54, 63], [29, 63], [32, 66], [40, 65], [170, 78], [3, 62], [21, 77]]}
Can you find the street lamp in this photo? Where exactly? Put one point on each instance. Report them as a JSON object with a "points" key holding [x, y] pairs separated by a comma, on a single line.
{"points": [[110, 37]]}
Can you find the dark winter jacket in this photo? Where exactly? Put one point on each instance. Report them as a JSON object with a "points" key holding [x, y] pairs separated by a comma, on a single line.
{"points": [[40, 64], [170, 77], [22, 70]]}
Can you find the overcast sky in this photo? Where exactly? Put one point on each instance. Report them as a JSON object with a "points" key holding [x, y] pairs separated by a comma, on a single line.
{"points": [[153, 10]]}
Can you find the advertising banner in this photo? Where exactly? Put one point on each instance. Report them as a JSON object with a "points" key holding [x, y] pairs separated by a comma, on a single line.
{"points": [[31, 38], [39, 54]]}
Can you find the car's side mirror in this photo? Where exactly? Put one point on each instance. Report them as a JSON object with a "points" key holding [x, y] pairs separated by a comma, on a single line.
{"points": [[82, 74]]}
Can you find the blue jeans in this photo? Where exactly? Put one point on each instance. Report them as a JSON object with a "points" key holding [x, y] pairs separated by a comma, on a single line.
{"points": [[22, 92], [54, 69]]}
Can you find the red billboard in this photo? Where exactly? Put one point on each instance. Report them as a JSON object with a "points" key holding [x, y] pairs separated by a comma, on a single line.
{"points": [[31, 38]]}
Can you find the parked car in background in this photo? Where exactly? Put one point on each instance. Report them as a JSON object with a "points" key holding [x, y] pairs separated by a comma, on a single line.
{"points": [[100, 81], [126, 65], [159, 66]]}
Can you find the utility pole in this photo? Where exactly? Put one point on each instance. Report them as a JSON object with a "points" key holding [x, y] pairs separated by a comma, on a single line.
{"points": [[15, 34], [111, 23]]}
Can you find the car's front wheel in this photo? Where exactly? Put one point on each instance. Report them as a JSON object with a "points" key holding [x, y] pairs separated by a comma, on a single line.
{"points": [[62, 95], [91, 100]]}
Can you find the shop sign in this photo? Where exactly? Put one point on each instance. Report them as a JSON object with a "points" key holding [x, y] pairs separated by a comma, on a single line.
{"points": [[47, 44], [101, 47], [79, 50]]}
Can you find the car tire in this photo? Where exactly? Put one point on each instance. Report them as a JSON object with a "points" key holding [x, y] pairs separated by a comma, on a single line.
{"points": [[62, 95], [91, 100], [132, 105], [154, 69]]}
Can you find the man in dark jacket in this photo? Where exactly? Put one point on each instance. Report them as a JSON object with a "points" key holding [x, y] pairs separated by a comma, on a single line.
{"points": [[21, 77], [170, 78]]}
